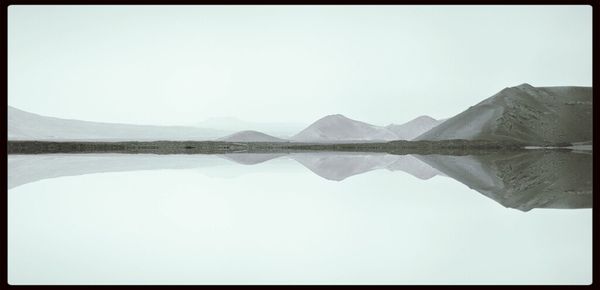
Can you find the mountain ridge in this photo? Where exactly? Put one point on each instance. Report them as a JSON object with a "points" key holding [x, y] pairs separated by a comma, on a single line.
{"points": [[414, 127], [23, 125], [523, 114]]}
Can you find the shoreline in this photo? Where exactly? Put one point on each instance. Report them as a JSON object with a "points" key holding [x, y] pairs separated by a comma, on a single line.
{"points": [[446, 147]]}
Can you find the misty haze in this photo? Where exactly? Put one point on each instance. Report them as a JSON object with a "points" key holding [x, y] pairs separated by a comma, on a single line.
{"points": [[252, 145]]}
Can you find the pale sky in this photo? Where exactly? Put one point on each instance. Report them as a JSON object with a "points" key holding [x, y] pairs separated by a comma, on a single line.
{"points": [[378, 64]]}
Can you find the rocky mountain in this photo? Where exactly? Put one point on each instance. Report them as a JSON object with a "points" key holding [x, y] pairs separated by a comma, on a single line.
{"points": [[339, 128], [414, 128], [526, 114], [28, 126], [250, 136]]}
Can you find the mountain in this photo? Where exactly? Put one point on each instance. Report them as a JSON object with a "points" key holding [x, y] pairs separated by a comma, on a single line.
{"points": [[250, 136], [338, 128], [524, 114], [28, 126], [278, 129], [414, 128]]}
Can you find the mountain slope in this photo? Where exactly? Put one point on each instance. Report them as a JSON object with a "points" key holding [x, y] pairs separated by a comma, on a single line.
{"points": [[338, 128], [524, 114], [414, 128], [250, 136], [27, 126]]}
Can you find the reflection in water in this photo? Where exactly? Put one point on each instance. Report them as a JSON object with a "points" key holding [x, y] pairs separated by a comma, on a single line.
{"points": [[523, 180], [275, 222], [539, 179], [23, 169], [339, 166]]}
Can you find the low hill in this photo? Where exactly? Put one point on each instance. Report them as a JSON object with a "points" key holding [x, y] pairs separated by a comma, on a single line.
{"points": [[250, 136]]}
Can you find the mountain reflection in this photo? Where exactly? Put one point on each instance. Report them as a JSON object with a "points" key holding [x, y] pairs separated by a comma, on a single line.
{"points": [[526, 180], [338, 166], [520, 180]]}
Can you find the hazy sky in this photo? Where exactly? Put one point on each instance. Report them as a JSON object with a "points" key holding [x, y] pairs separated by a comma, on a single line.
{"points": [[378, 64]]}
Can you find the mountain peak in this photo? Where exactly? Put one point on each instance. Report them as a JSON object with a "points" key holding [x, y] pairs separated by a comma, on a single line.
{"points": [[525, 85], [335, 116], [425, 117], [421, 119]]}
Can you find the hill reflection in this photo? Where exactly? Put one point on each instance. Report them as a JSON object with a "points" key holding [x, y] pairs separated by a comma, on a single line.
{"points": [[520, 180]]}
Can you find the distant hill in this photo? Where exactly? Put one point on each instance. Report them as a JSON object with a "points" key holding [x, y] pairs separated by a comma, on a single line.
{"points": [[524, 114], [338, 128], [414, 128], [250, 136], [231, 124], [28, 126]]}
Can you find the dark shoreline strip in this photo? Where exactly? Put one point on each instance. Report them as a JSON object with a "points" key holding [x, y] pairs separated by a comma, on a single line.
{"points": [[447, 147]]}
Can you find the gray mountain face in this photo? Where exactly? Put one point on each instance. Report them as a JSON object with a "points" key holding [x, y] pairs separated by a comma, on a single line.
{"points": [[524, 114], [414, 128], [27, 126], [338, 128], [250, 136], [524, 180]]}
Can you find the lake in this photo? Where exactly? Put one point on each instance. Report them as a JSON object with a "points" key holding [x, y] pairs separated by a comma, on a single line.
{"points": [[300, 218]]}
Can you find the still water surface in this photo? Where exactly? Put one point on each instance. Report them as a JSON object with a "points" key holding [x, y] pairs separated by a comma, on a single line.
{"points": [[329, 218]]}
